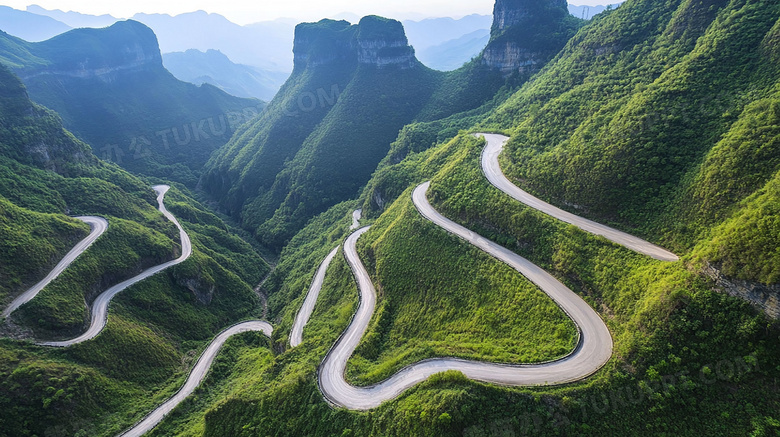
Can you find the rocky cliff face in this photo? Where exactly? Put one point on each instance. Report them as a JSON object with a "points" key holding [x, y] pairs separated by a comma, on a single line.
{"points": [[508, 13], [50, 147], [382, 43], [763, 297], [510, 57], [518, 38], [321, 43], [375, 41]]}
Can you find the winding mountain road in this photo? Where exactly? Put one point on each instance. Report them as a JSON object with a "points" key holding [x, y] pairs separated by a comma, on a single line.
{"points": [[593, 351], [99, 226], [302, 318], [100, 312], [100, 306], [304, 314], [197, 375], [493, 173]]}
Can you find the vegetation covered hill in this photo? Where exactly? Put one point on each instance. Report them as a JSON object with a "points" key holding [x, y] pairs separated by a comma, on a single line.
{"points": [[111, 89], [352, 90], [155, 328], [658, 117]]}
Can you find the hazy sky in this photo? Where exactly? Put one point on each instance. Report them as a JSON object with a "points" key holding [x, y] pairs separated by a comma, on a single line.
{"points": [[247, 11]]}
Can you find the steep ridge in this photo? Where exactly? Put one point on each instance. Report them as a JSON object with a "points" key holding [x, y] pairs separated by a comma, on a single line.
{"points": [[352, 89], [112, 91], [520, 42], [248, 165]]}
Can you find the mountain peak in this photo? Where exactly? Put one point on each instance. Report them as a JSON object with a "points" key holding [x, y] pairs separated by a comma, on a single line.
{"points": [[508, 13], [382, 42], [376, 41], [322, 42], [125, 45], [526, 34]]}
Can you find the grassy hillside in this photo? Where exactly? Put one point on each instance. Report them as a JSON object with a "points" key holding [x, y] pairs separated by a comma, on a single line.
{"points": [[627, 125], [619, 127], [111, 89], [688, 359], [155, 329], [470, 306]]}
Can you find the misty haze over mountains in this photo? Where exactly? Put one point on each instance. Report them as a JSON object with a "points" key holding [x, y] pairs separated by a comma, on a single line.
{"points": [[255, 69]]}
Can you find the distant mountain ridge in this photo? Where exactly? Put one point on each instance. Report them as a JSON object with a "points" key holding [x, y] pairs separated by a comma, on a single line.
{"points": [[453, 54], [74, 19], [111, 89], [127, 47], [214, 68], [29, 26], [179, 33]]}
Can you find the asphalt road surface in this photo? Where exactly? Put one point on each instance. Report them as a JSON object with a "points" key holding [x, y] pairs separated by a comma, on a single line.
{"points": [[304, 314], [492, 170], [98, 225], [302, 318], [197, 375], [100, 306], [593, 350]]}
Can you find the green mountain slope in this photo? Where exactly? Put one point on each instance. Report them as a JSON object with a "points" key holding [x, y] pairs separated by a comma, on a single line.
{"points": [[111, 89], [671, 90], [658, 117], [155, 328], [352, 90]]}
